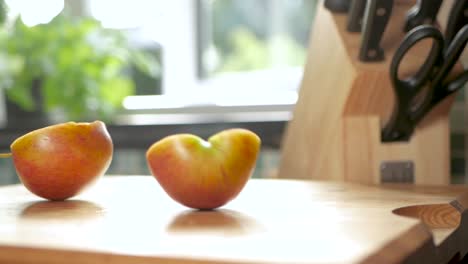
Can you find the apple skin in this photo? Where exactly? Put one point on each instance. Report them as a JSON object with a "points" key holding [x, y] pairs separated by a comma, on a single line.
{"points": [[59, 161], [204, 174]]}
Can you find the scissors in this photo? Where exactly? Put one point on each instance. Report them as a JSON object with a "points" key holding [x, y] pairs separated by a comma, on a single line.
{"points": [[421, 92]]}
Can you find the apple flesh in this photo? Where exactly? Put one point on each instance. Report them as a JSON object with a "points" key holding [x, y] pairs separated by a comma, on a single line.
{"points": [[204, 174], [59, 161]]}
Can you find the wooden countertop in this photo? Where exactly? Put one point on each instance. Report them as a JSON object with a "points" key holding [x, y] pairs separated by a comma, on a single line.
{"points": [[129, 219]]}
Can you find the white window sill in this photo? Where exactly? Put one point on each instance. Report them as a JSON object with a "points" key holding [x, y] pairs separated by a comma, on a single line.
{"points": [[268, 95]]}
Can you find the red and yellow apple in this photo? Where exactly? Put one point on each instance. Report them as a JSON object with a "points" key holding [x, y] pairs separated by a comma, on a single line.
{"points": [[204, 174], [59, 161]]}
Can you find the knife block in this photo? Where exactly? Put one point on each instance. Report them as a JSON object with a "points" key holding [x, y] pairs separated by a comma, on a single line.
{"points": [[343, 104]]}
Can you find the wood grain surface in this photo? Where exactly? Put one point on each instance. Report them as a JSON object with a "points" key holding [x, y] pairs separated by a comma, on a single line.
{"points": [[129, 219]]}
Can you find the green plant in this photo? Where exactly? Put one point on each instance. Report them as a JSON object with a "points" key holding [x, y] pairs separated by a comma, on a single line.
{"points": [[80, 66]]}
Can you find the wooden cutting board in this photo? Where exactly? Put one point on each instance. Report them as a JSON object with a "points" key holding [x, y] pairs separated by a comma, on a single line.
{"points": [[129, 219]]}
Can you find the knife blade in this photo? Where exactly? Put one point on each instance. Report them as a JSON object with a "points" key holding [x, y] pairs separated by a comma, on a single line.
{"points": [[376, 17], [337, 6], [355, 15], [424, 12], [458, 17]]}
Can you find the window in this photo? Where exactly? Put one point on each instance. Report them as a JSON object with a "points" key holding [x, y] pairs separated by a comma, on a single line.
{"points": [[212, 52], [245, 35], [230, 52]]}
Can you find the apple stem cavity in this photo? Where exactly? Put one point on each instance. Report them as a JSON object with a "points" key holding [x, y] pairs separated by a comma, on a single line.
{"points": [[205, 143], [5, 155]]}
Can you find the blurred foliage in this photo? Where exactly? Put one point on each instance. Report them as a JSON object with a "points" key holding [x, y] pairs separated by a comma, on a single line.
{"points": [[3, 12], [80, 65], [246, 38], [250, 53]]}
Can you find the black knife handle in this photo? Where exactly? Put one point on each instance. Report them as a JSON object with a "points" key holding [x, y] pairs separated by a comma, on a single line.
{"points": [[337, 6], [424, 12], [376, 17], [458, 17], [355, 15]]}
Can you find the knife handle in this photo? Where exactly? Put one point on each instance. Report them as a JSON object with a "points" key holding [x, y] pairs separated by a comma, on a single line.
{"points": [[458, 17], [355, 15], [337, 6], [376, 17], [424, 12]]}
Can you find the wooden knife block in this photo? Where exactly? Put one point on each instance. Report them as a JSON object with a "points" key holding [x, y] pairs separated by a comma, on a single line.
{"points": [[343, 104]]}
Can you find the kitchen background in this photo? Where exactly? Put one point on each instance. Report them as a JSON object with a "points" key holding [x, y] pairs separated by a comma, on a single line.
{"points": [[216, 62]]}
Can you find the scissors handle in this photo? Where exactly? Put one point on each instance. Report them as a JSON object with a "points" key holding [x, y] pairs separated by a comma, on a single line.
{"points": [[401, 126], [414, 83], [451, 56], [405, 117], [455, 85], [457, 18]]}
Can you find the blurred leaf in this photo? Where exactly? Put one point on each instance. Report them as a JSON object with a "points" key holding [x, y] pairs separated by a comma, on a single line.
{"points": [[249, 53], [255, 17], [3, 12], [146, 65], [288, 51], [52, 99], [21, 95], [10, 64], [116, 89]]}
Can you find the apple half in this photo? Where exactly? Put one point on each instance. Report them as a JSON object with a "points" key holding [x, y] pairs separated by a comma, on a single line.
{"points": [[204, 174], [59, 161]]}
